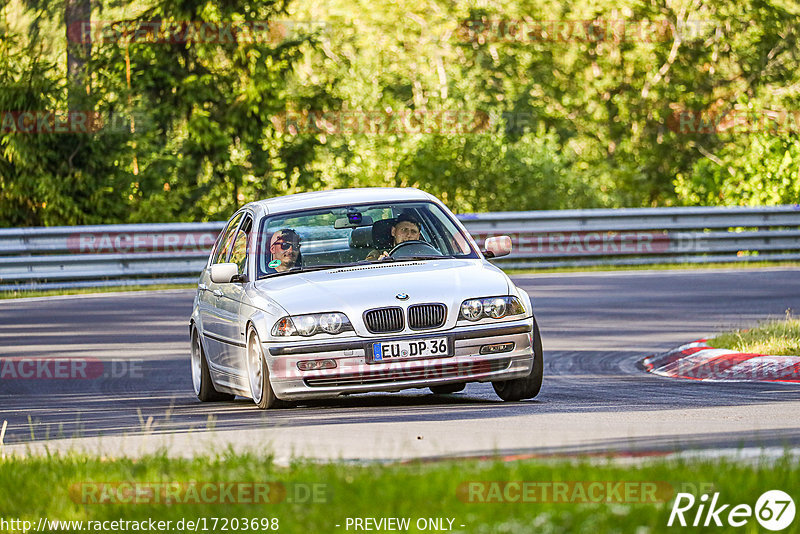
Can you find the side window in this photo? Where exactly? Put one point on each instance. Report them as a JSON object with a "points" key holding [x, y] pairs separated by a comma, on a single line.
{"points": [[226, 240], [239, 250]]}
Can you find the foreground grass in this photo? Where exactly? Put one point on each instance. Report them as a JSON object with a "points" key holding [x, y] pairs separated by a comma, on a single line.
{"points": [[321, 496], [776, 338]]}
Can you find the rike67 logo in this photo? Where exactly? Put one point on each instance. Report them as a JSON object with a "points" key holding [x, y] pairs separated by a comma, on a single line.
{"points": [[774, 510]]}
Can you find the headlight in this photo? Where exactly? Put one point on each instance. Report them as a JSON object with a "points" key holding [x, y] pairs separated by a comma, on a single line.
{"points": [[314, 323], [491, 307], [332, 323], [496, 308], [472, 310], [306, 325]]}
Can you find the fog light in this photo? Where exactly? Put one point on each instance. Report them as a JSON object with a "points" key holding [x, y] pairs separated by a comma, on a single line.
{"points": [[315, 365], [497, 348]]}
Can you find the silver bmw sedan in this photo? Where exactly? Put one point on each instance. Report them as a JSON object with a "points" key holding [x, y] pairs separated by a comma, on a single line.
{"points": [[349, 291]]}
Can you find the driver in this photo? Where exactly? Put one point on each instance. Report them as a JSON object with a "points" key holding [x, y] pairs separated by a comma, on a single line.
{"points": [[406, 228], [284, 249]]}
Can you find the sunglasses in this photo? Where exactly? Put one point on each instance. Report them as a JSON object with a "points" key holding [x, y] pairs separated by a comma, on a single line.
{"points": [[286, 245]]}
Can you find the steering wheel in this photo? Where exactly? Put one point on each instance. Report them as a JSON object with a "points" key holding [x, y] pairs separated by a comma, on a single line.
{"points": [[413, 247]]}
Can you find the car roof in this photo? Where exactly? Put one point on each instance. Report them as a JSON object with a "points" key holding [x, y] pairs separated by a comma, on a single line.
{"points": [[340, 197]]}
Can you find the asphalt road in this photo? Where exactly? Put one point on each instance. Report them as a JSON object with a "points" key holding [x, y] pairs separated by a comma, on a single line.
{"points": [[595, 327]]}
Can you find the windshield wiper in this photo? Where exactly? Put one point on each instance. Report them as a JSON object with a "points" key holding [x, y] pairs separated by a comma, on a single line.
{"points": [[421, 257], [309, 269], [389, 259]]}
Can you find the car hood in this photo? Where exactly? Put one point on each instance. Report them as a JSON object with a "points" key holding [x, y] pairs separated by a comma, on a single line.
{"points": [[355, 289]]}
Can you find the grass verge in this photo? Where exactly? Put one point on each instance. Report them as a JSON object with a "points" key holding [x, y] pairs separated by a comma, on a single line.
{"points": [[88, 290], [587, 269], [320, 498], [775, 338], [655, 267]]}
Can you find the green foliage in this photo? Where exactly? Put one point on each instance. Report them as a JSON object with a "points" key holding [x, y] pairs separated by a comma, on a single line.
{"points": [[557, 122], [486, 173], [601, 111], [196, 141], [52, 178], [760, 169], [774, 338], [208, 143], [315, 497]]}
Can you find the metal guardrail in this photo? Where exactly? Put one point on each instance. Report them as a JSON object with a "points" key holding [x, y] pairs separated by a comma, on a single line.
{"points": [[143, 254], [642, 236]]}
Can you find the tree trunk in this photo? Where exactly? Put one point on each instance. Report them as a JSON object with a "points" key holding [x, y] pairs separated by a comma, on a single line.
{"points": [[77, 19]]}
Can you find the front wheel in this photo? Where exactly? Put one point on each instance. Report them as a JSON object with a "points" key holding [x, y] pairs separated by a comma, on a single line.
{"points": [[258, 373], [201, 377], [526, 387]]}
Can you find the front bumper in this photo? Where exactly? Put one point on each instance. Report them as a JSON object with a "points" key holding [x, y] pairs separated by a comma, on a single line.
{"points": [[354, 373]]}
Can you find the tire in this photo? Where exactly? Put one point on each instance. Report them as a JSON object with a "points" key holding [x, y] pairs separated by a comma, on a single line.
{"points": [[448, 388], [258, 374], [201, 378], [526, 387]]}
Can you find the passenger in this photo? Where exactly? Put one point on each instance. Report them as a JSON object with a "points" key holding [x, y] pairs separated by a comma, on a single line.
{"points": [[284, 249], [405, 228]]}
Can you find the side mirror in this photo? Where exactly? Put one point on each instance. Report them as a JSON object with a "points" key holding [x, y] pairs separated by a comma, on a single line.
{"points": [[223, 273], [498, 246]]}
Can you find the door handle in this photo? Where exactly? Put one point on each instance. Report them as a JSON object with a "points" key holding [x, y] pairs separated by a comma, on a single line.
{"points": [[217, 293]]}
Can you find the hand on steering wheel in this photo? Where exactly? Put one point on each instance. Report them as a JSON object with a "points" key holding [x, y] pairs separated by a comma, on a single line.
{"points": [[424, 248], [405, 243]]}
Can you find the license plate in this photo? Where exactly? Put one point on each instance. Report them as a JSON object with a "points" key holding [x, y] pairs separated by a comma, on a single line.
{"points": [[417, 348]]}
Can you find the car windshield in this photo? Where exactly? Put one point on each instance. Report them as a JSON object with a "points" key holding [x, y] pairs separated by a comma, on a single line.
{"points": [[352, 235]]}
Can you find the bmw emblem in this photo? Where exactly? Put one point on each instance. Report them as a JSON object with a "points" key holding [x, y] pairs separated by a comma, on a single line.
{"points": [[402, 296]]}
